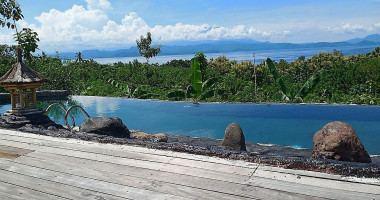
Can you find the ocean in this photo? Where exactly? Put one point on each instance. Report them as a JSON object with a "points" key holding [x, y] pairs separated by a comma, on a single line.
{"points": [[261, 55]]}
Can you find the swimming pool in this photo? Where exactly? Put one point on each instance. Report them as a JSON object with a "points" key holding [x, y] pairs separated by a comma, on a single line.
{"points": [[282, 124]]}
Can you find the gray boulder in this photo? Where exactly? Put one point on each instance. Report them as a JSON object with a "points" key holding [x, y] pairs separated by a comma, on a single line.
{"points": [[338, 141], [112, 126], [234, 137]]}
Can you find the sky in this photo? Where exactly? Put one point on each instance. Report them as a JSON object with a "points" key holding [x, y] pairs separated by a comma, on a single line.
{"points": [[76, 25]]}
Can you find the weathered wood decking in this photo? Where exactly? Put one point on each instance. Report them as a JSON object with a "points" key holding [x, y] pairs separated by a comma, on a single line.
{"points": [[42, 167]]}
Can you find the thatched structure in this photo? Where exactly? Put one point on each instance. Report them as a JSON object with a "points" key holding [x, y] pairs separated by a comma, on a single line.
{"points": [[22, 82]]}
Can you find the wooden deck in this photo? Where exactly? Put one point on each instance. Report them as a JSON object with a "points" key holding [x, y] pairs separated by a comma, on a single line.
{"points": [[41, 167]]}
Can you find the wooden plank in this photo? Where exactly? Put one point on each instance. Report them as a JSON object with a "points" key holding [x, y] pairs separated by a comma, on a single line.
{"points": [[238, 190], [331, 178], [323, 183], [8, 152], [199, 161], [264, 182], [48, 187], [223, 176], [182, 185], [320, 175], [157, 181], [14, 150], [315, 191], [119, 150], [11, 191], [110, 148], [88, 184], [8, 155]]}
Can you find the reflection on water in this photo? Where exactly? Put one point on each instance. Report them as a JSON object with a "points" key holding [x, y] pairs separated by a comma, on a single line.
{"points": [[101, 104], [56, 113]]}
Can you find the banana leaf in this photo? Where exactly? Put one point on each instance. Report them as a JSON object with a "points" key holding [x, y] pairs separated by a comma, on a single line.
{"points": [[196, 77], [280, 96], [190, 92], [209, 83], [311, 83], [277, 77], [140, 91]]}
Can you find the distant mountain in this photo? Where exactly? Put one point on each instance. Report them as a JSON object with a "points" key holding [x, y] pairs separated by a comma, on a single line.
{"points": [[221, 46], [197, 42], [369, 38]]}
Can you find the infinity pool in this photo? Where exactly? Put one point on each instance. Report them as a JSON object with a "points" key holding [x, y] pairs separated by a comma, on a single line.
{"points": [[284, 124]]}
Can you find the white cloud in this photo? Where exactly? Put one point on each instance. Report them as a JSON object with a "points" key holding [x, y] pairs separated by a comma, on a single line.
{"points": [[347, 28], [98, 4], [80, 28], [7, 39]]}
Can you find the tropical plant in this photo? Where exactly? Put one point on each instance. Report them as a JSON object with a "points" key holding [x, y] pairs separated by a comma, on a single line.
{"points": [[203, 63], [124, 88], [27, 42], [144, 92], [198, 90], [195, 78], [79, 57], [285, 94], [26, 38], [144, 47]]}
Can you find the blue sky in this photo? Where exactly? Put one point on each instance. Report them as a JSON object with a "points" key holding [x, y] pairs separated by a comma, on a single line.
{"points": [[66, 25]]}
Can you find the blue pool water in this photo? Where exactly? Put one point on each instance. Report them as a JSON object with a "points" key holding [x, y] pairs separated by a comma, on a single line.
{"points": [[284, 124]]}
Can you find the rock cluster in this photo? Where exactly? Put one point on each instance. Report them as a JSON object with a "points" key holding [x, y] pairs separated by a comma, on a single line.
{"points": [[234, 137], [18, 121], [111, 126], [338, 141], [159, 137]]}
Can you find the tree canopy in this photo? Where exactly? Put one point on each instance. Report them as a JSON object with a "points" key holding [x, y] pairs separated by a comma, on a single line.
{"points": [[10, 13], [145, 49]]}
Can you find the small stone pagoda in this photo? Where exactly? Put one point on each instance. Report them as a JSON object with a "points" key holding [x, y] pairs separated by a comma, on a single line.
{"points": [[22, 82]]}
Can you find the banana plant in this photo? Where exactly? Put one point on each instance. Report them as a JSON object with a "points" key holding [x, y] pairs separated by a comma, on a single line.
{"points": [[143, 92], [124, 88], [285, 95], [196, 78], [198, 90]]}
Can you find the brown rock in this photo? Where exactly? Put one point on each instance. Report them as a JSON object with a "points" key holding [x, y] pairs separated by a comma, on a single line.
{"points": [[338, 141], [159, 137], [234, 137]]}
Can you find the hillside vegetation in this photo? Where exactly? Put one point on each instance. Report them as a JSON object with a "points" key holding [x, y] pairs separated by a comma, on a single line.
{"points": [[351, 79]]}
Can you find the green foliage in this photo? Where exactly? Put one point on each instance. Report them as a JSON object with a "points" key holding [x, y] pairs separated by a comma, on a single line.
{"points": [[311, 84], [351, 79], [10, 12], [221, 64], [196, 77], [285, 95], [177, 95], [278, 79], [144, 47], [27, 41], [203, 63], [143, 92]]}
